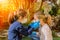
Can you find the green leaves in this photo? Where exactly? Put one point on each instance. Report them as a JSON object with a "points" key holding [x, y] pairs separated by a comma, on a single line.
{"points": [[58, 12]]}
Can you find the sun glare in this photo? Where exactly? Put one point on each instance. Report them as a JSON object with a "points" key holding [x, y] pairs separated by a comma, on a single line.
{"points": [[3, 1]]}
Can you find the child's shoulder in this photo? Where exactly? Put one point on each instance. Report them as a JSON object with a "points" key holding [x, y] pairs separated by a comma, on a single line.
{"points": [[15, 23], [46, 27]]}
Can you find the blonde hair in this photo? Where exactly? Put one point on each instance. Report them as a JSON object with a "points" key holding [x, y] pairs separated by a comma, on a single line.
{"points": [[39, 13], [44, 18]]}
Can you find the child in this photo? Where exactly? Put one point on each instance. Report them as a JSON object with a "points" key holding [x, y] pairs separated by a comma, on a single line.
{"points": [[45, 31], [16, 29], [34, 35]]}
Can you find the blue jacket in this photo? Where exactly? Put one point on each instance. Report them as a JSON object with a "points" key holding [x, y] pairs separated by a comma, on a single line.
{"points": [[16, 30]]}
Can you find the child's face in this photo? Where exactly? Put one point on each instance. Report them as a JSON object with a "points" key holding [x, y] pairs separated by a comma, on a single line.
{"points": [[35, 17], [23, 20], [41, 21]]}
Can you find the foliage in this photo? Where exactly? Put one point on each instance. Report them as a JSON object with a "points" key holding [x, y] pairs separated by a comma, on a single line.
{"points": [[53, 11], [58, 11], [56, 38], [54, 34]]}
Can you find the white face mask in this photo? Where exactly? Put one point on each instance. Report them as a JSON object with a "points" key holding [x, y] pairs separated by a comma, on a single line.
{"points": [[24, 21]]}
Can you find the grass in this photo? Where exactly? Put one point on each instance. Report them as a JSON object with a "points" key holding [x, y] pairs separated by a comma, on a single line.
{"points": [[26, 38], [56, 38]]}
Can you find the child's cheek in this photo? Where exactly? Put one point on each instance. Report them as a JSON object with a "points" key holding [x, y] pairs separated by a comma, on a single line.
{"points": [[40, 21], [24, 21]]}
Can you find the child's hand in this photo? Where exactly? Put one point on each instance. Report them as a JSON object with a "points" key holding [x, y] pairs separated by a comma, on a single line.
{"points": [[21, 35], [32, 34]]}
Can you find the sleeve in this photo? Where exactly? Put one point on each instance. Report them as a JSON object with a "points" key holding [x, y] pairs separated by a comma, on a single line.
{"points": [[24, 30], [46, 33], [30, 31]]}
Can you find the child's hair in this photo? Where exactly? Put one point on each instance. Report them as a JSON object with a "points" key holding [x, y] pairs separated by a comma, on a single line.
{"points": [[41, 15], [38, 13], [21, 13], [13, 17], [44, 18]]}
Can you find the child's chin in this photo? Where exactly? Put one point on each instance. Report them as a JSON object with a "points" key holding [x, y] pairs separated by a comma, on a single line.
{"points": [[23, 22]]}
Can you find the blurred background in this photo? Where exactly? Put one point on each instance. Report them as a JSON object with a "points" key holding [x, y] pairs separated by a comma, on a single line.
{"points": [[49, 7]]}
